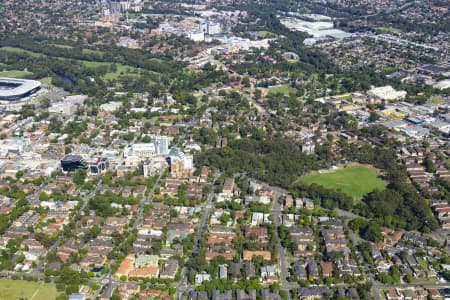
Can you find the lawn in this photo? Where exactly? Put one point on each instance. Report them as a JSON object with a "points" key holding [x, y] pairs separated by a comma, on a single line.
{"points": [[126, 70], [93, 64], [20, 50], [62, 46], [346, 97], [264, 33], [46, 80], [23, 74], [90, 51], [354, 180], [281, 89], [15, 74], [88, 64], [388, 30], [437, 101], [17, 289], [121, 69]]}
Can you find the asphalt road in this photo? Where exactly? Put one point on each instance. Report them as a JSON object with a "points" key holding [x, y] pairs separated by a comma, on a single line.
{"points": [[207, 206], [148, 200], [39, 270]]}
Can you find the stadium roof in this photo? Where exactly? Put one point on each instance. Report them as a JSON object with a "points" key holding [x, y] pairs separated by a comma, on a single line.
{"points": [[23, 86]]}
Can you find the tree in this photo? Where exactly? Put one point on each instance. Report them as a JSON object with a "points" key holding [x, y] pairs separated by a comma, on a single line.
{"points": [[427, 163], [115, 295], [73, 288], [372, 232], [173, 213], [258, 93], [43, 196], [225, 218], [246, 81], [374, 116], [79, 176], [357, 224], [20, 258], [128, 136], [284, 294], [92, 233], [146, 139], [19, 174], [45, 103], [69, 276]]}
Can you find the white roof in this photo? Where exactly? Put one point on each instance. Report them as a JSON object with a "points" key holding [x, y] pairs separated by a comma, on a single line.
{"points": [[25, 86], [443, 84], [113, 105], [144, 147], [76, 99], [386, 92]]}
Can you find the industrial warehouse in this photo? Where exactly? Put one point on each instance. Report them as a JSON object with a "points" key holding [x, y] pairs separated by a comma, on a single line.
{"points": [[13, 90]]}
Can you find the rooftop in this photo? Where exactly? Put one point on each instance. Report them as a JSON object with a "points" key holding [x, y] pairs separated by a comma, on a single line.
{"points": [[12, 87]]}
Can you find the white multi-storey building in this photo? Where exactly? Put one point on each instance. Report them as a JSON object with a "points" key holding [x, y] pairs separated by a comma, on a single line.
{"points": [[144, 150], [161, 144]]}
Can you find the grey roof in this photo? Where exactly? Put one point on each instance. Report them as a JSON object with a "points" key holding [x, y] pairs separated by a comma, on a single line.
{"points": [[313, 269], [268, 295], [170, 268], [243, 295], [301, 231], [314, 292], [225, 295], [77, 296], [300, 270], [199, 296], [410, 236]]}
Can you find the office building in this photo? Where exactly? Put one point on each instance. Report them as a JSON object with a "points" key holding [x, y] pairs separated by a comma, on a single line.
{"points": [[72, 162], [161, 144]]}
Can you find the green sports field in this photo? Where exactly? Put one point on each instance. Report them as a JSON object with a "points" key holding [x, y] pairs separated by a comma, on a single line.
{"points": [[355, 180], [388, 29], [15, 74], [20, 289], [129, 70], [281, 89]]}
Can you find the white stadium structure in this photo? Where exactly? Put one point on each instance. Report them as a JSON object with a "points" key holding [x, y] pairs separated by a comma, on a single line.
{"points": [[13, 90]]}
